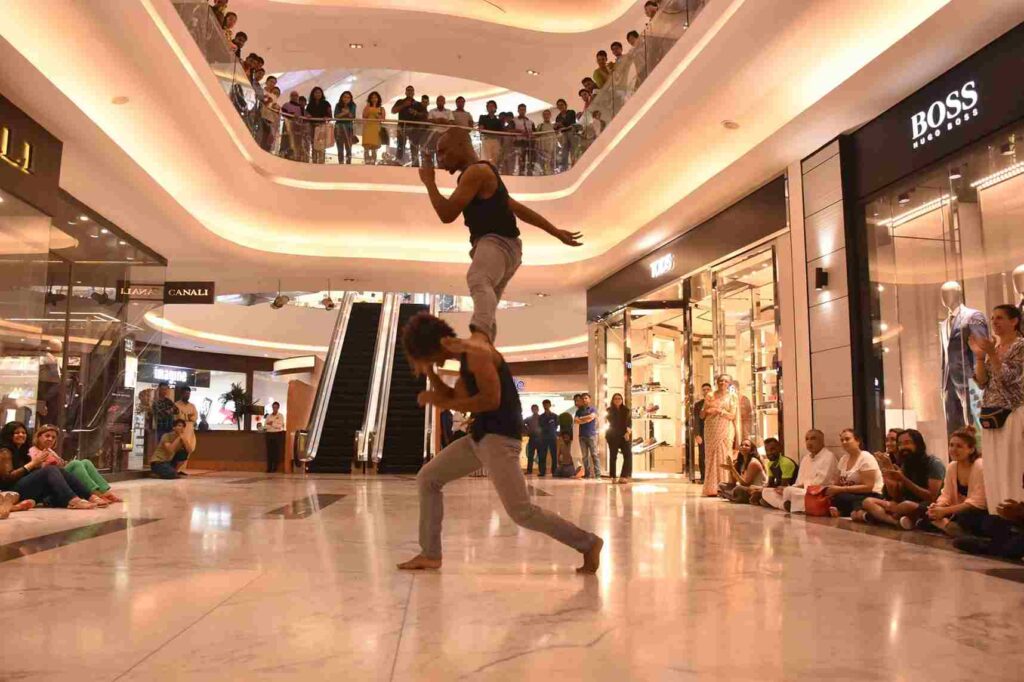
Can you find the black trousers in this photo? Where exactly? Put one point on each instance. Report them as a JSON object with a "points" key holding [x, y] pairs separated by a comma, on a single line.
{"points": [[275, 450], [51, 486], [617, 444], [847, 503]]}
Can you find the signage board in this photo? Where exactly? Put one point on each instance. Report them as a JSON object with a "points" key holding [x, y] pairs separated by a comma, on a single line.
{"points": [[139, 291], [189, 292], [175, 376]]}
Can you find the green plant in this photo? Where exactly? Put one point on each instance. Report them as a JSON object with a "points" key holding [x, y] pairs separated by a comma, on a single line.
{"points": [[242, 401]]}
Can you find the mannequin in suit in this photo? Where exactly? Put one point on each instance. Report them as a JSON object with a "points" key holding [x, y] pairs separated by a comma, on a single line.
{"points": [[957, 357]]}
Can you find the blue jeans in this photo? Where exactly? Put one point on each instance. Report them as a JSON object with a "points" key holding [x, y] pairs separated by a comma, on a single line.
{"points": [[168, 470], [533, 452], [591, 458], [548, 448]]}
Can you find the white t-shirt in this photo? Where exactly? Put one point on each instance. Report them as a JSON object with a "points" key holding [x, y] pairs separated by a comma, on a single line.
{"points": [[523, 125], [273, 423], [851, 475], [462, 118], [441, 115]]}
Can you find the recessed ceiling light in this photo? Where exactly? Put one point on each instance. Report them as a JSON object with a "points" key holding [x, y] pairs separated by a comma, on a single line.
{"points": [[83, 218], [104, 230], [120, 99], [903, 198], [954, 174], [541, 294], [532, 72], [121, 242], [730, 125], [356, 46]]}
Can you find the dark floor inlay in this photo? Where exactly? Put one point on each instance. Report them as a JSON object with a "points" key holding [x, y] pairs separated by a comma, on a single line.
{"points": [[243, 481], [537, 491], [16, 550], [303, 507], [1014, 574]]}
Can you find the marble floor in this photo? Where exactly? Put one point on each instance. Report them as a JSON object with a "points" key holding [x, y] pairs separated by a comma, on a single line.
{"points": [[243, 577]]}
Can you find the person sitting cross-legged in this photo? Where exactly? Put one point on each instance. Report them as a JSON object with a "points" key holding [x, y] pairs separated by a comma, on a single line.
{"points": [[859, 477], [962, 508], [171, 454], [747, 472], [781, 470], [909, 489], [818, 467]]}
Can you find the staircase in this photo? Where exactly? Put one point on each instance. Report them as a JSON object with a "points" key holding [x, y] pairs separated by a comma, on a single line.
{"points": [[347, 403], [404, 425]]}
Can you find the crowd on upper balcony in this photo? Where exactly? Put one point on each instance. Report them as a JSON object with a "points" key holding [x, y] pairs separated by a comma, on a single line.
{"points": [[306, 128]]}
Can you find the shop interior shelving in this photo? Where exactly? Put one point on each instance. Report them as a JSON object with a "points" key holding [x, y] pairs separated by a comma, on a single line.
{"points": [[656, 393]]}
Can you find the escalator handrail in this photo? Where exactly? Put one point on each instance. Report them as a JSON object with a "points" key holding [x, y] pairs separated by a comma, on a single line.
{"points": [[326, 385]]}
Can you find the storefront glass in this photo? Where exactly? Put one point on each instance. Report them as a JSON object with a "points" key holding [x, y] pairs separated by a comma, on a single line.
{"points": [[943, 249]]}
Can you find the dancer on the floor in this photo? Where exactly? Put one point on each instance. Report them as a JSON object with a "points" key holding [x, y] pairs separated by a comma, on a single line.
{"points": [[487, 389], [719, 417], [490, 215]]}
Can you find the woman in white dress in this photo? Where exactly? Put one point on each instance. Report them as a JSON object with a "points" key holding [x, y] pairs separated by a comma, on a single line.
{"points": [[719, 415]]}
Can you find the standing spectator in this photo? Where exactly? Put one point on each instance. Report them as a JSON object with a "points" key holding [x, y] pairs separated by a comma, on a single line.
{"points": [[460, 116], [632, 38], [619, 437], [910, 489], [291, 112], [616, 52], [586, 97], [164, 411], [273, 426], [187, 413], [545, 143], [602, 72], [220, 8], [719, 414], [318, 111], [818, 467], [999, 369], [446, 427], [239, 41], [490, 124], [533, 444], [698, 426], [590, 85], [594, 128], [228, 24], [565, 124], [962, 508], [650, 9], [439, 118], [408, 109], [859, 477], [586, 418], [305, 133], [524, 129], [345, 113], [548, 437], [508, 159], [372, 113], [270, 118]]}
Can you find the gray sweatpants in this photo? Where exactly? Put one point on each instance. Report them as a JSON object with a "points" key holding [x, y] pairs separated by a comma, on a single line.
{"points": [[495, 260], [501, 457]]}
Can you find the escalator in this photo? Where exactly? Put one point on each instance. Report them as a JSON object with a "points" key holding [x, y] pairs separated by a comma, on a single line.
{"points": [[404, 423], [346, 407]]}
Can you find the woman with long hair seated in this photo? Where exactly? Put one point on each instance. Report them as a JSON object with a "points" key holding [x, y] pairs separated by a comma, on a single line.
{"points": [[13, 446], [962, 508], [23, 470], [859, 477], [745, 473], [44, 441]]}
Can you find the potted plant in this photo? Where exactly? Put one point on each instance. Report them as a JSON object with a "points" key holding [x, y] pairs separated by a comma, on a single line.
{"points": [[242, 403]]}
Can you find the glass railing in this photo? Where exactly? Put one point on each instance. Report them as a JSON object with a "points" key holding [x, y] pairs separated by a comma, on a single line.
{"points": [[281, 129]]}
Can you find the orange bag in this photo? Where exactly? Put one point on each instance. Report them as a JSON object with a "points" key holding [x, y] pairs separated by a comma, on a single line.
{"points": [[816, 502]]}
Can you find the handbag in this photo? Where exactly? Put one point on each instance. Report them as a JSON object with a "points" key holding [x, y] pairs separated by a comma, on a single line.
{"points": [[323, 137], [994, 417], [816, 502]]}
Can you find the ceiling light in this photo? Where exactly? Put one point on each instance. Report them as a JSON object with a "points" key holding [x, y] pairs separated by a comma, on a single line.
{"points": [[903, 199], [83, 218], [955, 174], [1, 199], [121, 242], [1008, 149], [280, 301], [541, 294], [994, 179], [104, 230], [532, 72], [730, 125], [119, 100], [356, 46]]}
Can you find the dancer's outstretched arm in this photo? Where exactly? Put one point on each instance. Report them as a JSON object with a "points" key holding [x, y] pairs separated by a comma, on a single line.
{"points": [[531, 217]]}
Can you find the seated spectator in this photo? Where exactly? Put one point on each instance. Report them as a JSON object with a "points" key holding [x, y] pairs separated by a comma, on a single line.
{"points": [[171, 454], [910, 488], [961, 508], [891, 455], [566, 467], [818, 467], [85, 471], [13, 448], [1004, 531], [746, 473], [603, 71], [24, 470], [781, 470], [859, 477]]}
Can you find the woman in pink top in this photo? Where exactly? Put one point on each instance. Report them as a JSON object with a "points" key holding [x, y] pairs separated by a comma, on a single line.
{"points": [[961, 508]]}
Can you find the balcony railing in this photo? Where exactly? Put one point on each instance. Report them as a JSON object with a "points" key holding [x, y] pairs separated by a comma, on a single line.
{"points": [[403, 143]]}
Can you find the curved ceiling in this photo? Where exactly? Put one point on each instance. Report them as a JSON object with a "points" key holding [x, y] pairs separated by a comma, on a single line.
{"points": [[553, 16]]}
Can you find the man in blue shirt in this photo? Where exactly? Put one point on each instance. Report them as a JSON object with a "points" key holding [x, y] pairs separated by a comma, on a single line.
{"points": [[586, 417], [548, 438]]}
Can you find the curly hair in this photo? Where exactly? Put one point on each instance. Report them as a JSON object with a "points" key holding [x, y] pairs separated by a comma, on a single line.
{"points": [[421, 337]]}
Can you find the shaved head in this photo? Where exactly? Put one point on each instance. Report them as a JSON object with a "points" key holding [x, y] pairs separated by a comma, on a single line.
{"points": [[455, 150]]}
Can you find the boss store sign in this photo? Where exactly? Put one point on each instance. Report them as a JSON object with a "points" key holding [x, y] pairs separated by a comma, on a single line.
{"points": [[167, 293], [969, 102]]}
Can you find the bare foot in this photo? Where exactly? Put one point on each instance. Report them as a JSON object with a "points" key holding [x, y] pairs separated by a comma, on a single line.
{"points": [[833, 512], [420, 563], [24, 505], [579, 473], [592, 558]]}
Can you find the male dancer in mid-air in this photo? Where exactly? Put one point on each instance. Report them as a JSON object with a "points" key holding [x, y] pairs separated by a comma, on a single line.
{"points": [[491, 218], [487, 389]]}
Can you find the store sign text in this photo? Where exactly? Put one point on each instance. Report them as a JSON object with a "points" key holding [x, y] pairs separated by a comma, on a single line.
{"points": [[178, 376], [188, 292], [663, 266], [958, 107], [24, 164]]}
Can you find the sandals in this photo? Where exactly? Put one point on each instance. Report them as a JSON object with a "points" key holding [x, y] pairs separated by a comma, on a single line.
{"points": [[110, 497], [99, 501], [79, 503], [860, 515]]}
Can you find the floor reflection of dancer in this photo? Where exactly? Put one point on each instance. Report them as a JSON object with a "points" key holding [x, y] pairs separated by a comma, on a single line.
{"points": [[487, 389], [719, 416], [490, 215]]}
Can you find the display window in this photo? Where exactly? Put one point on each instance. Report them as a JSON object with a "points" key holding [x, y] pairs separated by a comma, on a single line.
{"points": [[944, 247]]}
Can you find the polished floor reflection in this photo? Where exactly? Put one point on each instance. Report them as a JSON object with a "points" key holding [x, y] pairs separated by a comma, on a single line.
{"points": [[217, 588]]}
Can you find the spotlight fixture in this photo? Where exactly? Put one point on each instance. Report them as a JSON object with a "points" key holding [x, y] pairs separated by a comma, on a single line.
{"points": [[328, 302], [730, 125], [532, 72], [356, 46], [903, 199], [820, 278], [1008, 149], [280, 300], [955, 174]]}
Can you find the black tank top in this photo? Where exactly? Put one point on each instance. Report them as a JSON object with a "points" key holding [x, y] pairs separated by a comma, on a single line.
{"points": [[507, 420], [492, 215]]}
